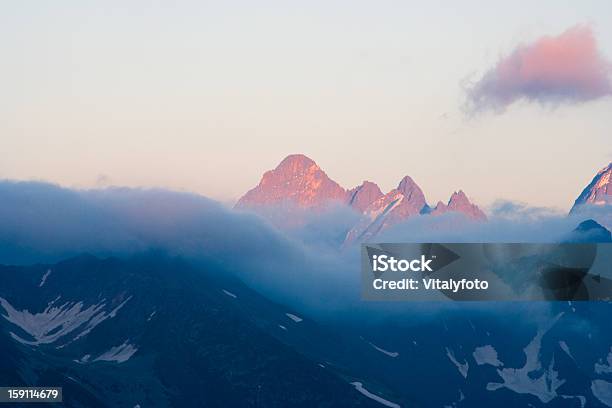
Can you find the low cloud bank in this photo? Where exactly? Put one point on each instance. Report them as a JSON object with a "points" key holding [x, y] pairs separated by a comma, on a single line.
{"points": [[305, 268], [507, 222], [42, 222], [45, 223], [567, 68]]}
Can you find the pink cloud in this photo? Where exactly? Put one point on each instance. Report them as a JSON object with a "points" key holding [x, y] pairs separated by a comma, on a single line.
{"points": [[565, 68]]}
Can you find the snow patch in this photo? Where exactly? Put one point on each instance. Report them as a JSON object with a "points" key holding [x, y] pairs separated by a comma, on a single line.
{"points": [[389, 353], [602, 367], [602, 390], [84, 359], [44, 278], [565, 348], [520, 381], [293, 317], [57, 321], [359, 387], [486, 355], [463, 368], [118, 354], [230, 294], [580, 398]]}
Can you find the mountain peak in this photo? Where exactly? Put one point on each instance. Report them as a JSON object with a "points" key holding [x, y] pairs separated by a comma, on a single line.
{"points": [[589, 231], [459, 202], [296, 163], [407, 186], [413, 196], [599, 190], [297, 181], [363, 195], [458, 197], [596, 198]]}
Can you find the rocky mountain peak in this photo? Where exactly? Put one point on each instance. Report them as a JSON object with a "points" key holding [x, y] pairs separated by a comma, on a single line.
{"points": [[599, 190], [298, 181], [408, 187], [363, 195], [296, 164], [459, 202]]}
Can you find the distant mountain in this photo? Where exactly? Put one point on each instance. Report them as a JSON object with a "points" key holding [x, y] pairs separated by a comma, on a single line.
{"points": [[595, 201], [590, 231], [398, 204], [599, 190], [362, 196], [156, 331], [459, 203], [296, 180], [299, 183]]}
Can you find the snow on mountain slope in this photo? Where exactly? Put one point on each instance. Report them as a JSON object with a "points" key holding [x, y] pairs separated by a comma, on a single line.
{"points": [[400, 203], [363, 195], [486, 355], [599, 190], [118, 354], [523, 381], [595, 201], [359, 387], [58, 320]]}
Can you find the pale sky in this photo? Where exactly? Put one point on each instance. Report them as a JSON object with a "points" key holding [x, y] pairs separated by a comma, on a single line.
{"points": [[205, 97]]}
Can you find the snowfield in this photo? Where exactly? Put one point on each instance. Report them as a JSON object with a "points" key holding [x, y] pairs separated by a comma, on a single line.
{"points": [[57, 321], [389, 353], [230, 294], [463, 368], [118, 354], [293, 317], [602, 390], [486, 355], [359, 387], [522, 381], [44, 278], [604, 367]]}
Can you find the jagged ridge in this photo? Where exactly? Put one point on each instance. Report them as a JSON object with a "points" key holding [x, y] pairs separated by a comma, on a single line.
{"points": [[299, 182]]}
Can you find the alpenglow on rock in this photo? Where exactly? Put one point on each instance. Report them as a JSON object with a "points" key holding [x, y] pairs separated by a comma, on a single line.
{"points": [[398, 204], [599, 191], [298, 180], [595, 201], [363, 195], [459, 203], [298, 184]]}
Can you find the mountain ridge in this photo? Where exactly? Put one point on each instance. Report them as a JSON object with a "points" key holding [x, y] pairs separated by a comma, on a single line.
{"points": [[298, 183], [598, 191], [596, 198]]}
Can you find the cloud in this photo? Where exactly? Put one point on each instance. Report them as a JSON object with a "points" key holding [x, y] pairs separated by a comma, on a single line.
{"points": [[45, 223], [507, 222], [567, 68], [304, 269]]}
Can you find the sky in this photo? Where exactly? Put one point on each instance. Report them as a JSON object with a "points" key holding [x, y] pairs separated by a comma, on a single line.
{"points": [[206, 96]]}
